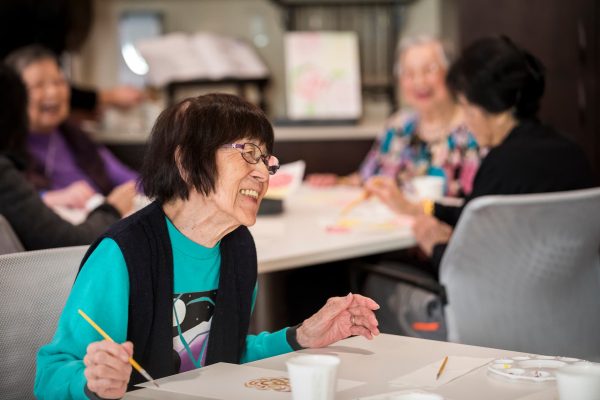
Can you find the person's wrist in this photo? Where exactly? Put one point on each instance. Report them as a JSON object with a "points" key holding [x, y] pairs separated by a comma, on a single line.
{"points": [[292, 337], [411, 208], [91, 395]]}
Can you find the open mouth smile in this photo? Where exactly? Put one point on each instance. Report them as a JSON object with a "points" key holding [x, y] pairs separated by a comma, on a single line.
{"points": [[250, 193]]}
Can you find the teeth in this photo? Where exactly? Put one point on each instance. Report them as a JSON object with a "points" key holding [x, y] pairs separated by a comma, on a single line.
{"points": [[249, 192]]}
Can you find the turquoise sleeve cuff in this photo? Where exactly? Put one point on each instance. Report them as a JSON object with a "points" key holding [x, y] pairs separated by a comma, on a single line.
{"points": [[266, 345]]}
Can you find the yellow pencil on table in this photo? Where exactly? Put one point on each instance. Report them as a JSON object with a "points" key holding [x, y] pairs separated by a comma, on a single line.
{"points": [[442, 367], [348, 207], [133, 363]]}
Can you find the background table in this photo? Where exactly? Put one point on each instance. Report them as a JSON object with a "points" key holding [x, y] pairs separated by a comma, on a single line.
{"points": [[387, 357], [299, 237]]}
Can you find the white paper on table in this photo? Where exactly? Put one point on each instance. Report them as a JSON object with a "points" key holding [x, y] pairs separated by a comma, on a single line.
{"points": [[286, 181], [392, 395], [77, 215], [226, 382], [547, 394], [425, 377]]}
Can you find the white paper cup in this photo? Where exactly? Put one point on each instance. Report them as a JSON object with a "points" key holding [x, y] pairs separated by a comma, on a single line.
{"points": [[428, 187], [579, 382], [313, 376]]}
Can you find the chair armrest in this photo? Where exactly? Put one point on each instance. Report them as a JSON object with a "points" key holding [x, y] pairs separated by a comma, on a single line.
{"points": [[407, 274]]}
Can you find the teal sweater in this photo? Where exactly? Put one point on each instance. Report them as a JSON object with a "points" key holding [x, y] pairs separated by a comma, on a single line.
{"points": [[102, 291]]}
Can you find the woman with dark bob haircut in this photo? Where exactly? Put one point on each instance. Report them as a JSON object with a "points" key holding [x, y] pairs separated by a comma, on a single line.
{"points": [[178, 278], [499, 86]]}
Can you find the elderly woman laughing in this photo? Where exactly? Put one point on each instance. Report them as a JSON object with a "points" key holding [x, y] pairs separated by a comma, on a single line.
{"points": [[178, 278]]}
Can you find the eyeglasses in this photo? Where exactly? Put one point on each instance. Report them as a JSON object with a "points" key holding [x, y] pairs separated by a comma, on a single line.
{"points": [[427, 71], [252, 154]]}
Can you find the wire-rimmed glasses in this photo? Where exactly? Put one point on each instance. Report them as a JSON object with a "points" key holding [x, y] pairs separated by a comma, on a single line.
{"points": [[252, 154]]}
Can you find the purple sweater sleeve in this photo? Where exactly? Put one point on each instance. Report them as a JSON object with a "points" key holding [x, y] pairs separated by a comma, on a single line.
{"points": [[117, 172]]}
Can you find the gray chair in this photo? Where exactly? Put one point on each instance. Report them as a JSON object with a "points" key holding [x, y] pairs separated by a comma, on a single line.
{"points": [[523, 273], [9, 242], [33, 290]]}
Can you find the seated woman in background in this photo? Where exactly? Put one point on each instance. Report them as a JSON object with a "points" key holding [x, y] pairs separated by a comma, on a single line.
{"points": [[34, 223], [178, 278], [68, 167], [431, 138], [499, 86]]}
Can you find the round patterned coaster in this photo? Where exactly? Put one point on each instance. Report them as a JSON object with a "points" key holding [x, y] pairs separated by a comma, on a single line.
{"points": [[276, 384]]}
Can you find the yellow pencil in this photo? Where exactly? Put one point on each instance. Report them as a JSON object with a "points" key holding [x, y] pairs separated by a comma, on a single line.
{"points": [[363, 196], [377, 181], [135, 365], [442, 367]]}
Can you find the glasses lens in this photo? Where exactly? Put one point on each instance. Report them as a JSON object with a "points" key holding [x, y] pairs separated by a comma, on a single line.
{"points": [[251, 153]]}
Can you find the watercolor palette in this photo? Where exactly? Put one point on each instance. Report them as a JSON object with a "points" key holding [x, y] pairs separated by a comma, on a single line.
{"points": [[530, 368]]}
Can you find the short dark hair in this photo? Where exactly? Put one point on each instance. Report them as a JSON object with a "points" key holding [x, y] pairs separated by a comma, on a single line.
{"points": [[13, 112], [497, 75], [23, 57], [196, 128]]}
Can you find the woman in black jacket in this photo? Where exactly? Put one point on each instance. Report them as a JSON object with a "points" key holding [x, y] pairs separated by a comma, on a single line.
{"points": [[36, 225]]}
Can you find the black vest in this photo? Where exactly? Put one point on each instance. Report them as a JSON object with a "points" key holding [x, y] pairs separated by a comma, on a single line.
{"points": [[144, 241]]}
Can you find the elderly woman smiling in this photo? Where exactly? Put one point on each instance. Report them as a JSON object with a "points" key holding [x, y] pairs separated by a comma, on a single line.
{"points": [[64, 163], [428, 137], [178, 278]]}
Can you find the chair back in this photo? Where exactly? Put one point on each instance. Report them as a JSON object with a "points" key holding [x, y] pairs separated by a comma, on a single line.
{"points": [[522, 273], [9, 242], [34, 287]]}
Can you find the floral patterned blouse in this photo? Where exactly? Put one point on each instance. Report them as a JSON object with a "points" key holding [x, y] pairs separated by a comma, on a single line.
{"points": [[401, 154]]}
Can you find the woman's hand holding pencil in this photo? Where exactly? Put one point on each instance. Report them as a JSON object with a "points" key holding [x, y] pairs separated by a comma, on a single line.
{"points": [[371, 186], [107, 368], [108, 365], [387, 190]]}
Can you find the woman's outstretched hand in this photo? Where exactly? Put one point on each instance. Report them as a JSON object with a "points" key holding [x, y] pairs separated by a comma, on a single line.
{"points": [[339, 318]]}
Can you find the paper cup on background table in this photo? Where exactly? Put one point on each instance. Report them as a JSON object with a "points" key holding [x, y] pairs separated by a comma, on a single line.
{"points": [[580, 381], [428, 187], [313, 377]]}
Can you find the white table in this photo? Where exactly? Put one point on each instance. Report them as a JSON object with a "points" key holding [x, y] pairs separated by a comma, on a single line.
{"points": [[387, 357], [299, 237]]}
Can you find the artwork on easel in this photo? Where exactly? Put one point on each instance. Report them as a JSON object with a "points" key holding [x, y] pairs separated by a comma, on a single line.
{"points": [[322, 76]]}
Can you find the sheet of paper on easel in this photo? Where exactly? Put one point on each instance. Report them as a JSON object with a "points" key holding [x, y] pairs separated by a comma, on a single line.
{"points": [[322, 76]]}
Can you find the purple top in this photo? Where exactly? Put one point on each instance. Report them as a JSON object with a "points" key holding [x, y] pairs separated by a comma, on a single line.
{"points": [[54, 154]]}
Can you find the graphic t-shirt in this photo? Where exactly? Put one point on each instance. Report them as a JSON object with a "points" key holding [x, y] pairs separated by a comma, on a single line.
{"points": [[195, 280]]}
